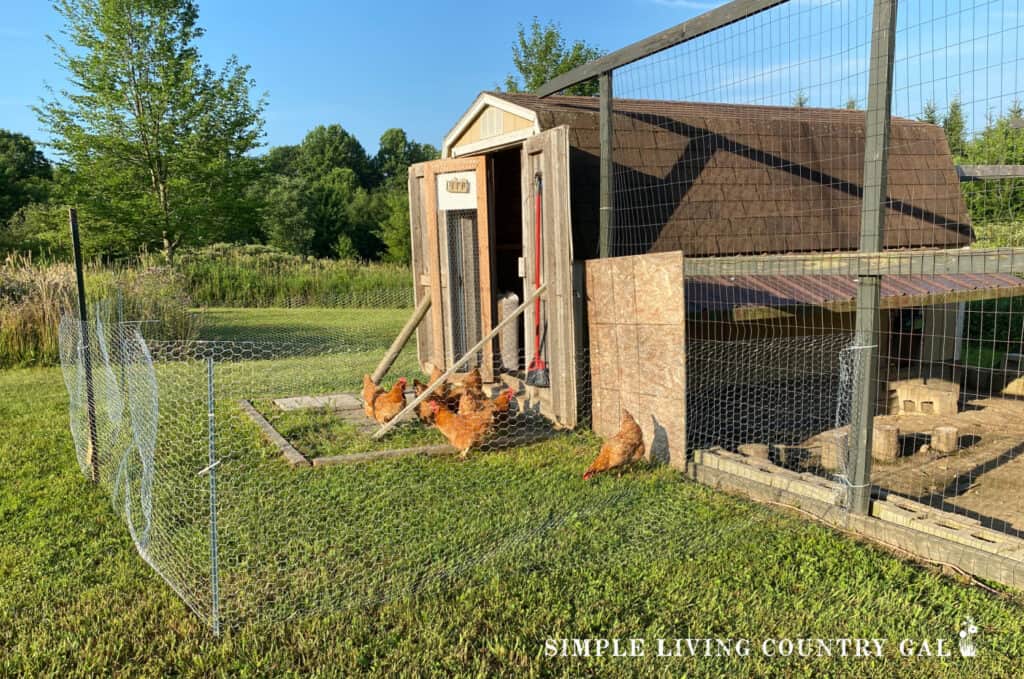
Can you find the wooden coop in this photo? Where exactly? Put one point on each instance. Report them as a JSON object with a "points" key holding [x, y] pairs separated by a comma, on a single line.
{"points": [[695, 179]]}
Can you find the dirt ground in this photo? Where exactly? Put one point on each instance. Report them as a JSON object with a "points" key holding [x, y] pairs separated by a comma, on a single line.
{"points": [[983, 479]]}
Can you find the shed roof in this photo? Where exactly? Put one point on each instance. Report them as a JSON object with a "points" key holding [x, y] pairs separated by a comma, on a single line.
{"points": [[726, 179], [838, 293]]}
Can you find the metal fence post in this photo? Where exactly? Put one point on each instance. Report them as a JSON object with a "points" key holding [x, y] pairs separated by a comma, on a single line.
{"points": [[873, 207], [212, 471], [92, 455], [607, 220]]}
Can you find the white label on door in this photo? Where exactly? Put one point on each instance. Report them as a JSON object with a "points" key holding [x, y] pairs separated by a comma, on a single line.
{"points": [[456, 191]]}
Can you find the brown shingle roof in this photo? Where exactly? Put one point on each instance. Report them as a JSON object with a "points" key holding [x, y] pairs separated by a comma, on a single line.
{"points": [[724, 179]]}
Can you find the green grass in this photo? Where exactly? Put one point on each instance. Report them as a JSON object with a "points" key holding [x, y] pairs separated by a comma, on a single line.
{"points": [[428, 566], [321, 433], [983, 356]]}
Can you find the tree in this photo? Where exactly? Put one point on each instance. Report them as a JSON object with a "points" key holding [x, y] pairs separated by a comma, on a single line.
{"points": [[956, 129], [25, 174], [800, 99], [544, 54], [156, 139], [397, 152], [851, 104], [327, 147], [1000, 143], [930, 113]]}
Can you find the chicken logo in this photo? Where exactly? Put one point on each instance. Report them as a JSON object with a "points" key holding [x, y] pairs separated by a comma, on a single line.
{"points": [[967, 647]]}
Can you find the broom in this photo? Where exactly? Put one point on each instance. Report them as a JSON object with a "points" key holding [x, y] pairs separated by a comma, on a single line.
{"points": [[537, 374]]}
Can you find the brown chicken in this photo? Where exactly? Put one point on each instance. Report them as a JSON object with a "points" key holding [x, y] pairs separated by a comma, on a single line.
{"points": [[471, 384], [423, 410], [626, 447], [390, 403], [462, 431], [471, 403], [370, 393]]}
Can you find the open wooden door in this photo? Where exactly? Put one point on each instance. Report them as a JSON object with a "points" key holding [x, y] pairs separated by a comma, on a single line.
{"points": [[448, 215], [547, 155]]}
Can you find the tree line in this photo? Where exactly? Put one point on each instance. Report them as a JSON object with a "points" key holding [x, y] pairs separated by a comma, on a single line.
{"points": [[158, 150]]}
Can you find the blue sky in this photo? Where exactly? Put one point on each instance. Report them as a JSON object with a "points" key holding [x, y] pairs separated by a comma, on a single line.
{"points": [[417, 65], [366, 65]]}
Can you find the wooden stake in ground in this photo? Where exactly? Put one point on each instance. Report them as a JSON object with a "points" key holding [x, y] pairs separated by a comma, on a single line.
{"points": [[400, 341], [462, 361]]}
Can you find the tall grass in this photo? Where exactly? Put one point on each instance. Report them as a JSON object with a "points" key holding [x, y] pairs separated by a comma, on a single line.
{"points": [[260, 276], [33, 296]]}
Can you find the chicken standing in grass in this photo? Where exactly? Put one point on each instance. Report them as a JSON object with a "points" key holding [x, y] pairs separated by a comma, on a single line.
{"points": [[390, 403], [370, 393], [626, 447], [466, 430]]}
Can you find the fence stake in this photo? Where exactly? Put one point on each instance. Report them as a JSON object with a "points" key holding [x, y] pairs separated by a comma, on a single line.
{"points": [[387, 426], [873, 207], [400, 341], [607, 216], [92, 454], [212, 470]]}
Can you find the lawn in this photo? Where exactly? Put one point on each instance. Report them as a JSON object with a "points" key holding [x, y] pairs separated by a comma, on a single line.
{"points": [[430, 566]]}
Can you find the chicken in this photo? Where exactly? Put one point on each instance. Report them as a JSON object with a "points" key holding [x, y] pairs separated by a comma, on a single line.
{"points": [[423, 410], [370, 393], [390, 403], [462, 431], [626, 447], [471, 384]]}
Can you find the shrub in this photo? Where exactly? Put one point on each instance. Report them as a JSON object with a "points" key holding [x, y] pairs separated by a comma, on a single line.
{"points": [[263, 276]]}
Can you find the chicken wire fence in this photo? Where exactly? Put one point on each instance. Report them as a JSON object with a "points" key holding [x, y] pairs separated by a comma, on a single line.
{"points": [[171, 429]]}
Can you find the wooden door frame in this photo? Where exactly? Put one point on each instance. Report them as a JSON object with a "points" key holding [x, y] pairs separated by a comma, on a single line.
{"points": [[549, 153], [431, 169]]}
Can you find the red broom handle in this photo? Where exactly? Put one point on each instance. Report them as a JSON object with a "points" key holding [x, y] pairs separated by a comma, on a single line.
{"points": [[536, 259]]}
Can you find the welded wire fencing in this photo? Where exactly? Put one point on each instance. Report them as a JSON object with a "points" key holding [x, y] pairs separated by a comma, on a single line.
{"points": [[834, 175], [248, 476]]}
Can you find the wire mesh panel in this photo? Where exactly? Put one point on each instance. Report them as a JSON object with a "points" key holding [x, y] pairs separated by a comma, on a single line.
{"points": [[192, 438], [747, 140]]}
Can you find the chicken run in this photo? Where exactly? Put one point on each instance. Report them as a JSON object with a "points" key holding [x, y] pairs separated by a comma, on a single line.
{"points": [[467, 417]]}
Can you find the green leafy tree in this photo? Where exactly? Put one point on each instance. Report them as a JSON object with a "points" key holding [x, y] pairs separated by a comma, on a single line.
{"points": [[329, 147], [284, 214], [282, 160], [541, 52], [851, 104], [25, 174], [397, 152], [1000, 143], [800, 99], [393, 159], [156, 138], [394, 229], [955, 126]]}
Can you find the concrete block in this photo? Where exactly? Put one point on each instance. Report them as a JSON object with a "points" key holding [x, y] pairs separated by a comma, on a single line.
{"points": [[945, 439], [885, 445], [931, 397]]}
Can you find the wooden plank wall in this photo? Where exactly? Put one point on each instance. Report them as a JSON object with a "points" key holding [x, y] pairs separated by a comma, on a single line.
{"points": [[548, 154], [420, 261]]}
